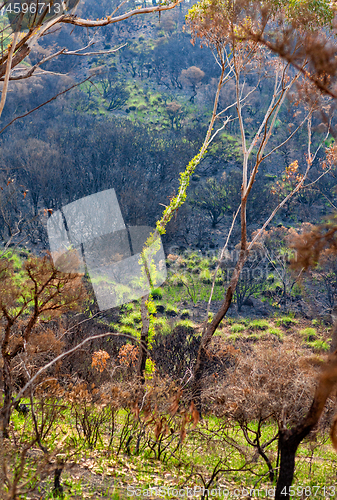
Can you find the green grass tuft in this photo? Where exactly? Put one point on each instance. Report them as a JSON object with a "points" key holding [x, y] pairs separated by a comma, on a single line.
{"points": [[186, 323], [185, 314], [206, 276], [318, 345], [286, 321], [161, 325], [309, 334], [157, 294], [171, 307], [210, 316], [256, 336], [236, 328], [258, 324], [233, 337], [276, 332], [128, 330]]}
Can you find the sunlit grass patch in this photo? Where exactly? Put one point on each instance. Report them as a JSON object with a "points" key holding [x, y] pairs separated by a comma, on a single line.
{"points": [[258, 324], [157, 294], [162, 325], [309, 334], [286, 321], [237, 328], [318, 345], [185, 314], [276, 332]]}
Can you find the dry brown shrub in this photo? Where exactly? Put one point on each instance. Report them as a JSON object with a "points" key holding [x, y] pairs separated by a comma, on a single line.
{"points": [[310, 245], [100, 360], [49, 388], [269, 383], [79, 393], [128, 355], [158, 392]]}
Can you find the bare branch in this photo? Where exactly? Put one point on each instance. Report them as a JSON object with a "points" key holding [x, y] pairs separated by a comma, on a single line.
{"points": [[8, 70], [88, 23], [87, 54]]}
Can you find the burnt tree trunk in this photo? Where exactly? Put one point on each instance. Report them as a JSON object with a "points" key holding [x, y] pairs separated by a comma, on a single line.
{"points": [[287, 445], [290, 439], [58, 488]]}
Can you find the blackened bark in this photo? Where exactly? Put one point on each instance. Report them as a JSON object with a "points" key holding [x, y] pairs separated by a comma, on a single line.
{"points": [[287, 448], [290, 439], [58, 488]]}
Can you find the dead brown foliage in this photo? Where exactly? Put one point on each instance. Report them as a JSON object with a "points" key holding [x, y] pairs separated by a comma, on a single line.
{"points": [[294, 34], [310, 245], [269, 383]]}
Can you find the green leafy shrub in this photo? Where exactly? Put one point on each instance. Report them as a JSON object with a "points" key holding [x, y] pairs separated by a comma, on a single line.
{"points": [[193, 259], [236, 328], [177, 279], [206, 276], [204, 263], [195, 270], [258, 324], [150, 368], [309, 334], [276, 332], [318, 345], [219, 280], [182, 262], [286, 321], [157, 294], [127, 307], [185, 314]]}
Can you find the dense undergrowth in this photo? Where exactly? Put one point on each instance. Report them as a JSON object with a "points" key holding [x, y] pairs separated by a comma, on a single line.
{"points": [[90, 429], [119, 436]]}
